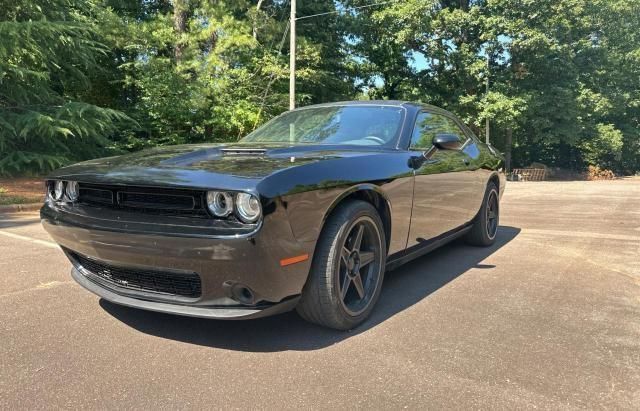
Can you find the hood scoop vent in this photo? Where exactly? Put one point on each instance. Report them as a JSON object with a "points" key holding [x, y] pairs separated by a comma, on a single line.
{"points": [[243, 152]]}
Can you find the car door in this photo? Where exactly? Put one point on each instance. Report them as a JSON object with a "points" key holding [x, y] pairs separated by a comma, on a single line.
{"points": [[444, 180]]}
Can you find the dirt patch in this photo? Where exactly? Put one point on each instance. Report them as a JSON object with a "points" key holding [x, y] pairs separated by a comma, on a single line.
{"points": [[21, 190]]}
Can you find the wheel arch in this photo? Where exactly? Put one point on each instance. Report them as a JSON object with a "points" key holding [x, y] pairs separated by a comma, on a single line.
{"points": [[372, 194], [500, 180], [494, 178]]}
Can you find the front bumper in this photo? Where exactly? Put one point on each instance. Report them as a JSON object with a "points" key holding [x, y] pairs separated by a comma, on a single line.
{"points": [[252, 262], [219, 312]]}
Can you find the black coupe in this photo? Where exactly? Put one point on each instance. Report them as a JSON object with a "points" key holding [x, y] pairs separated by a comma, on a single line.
{"points": [[306, 212]]}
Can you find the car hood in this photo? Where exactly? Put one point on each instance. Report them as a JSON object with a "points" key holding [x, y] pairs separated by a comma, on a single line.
{"points": [[225, 166]]}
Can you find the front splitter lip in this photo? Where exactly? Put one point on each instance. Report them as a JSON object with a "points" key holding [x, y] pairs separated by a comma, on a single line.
{"points": [[220, 313]]}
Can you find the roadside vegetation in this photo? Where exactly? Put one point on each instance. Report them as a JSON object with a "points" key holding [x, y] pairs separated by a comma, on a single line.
{"points": [[6, 199], [21, 191], [87, 78]]}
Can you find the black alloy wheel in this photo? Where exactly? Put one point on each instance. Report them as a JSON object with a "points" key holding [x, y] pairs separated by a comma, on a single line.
{"points": [[485, 225], [492, 214], [347, 269], [359, 269]]}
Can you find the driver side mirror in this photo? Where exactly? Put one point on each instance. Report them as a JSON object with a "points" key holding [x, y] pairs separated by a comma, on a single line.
{"points": [[447, 142]]}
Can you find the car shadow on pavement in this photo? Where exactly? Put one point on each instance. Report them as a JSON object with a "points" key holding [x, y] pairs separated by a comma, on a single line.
{"points": [[10, 220], [403, 287]]}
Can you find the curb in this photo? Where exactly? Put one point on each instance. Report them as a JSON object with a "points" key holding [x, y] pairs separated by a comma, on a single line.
{"points": [[14, 208]]}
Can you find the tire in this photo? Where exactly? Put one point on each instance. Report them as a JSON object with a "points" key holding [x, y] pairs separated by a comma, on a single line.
{"points": [[485, 225], [333, 296]]}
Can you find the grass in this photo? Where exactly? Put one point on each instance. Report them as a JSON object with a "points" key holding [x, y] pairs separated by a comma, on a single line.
{"points": [[7, 199]]}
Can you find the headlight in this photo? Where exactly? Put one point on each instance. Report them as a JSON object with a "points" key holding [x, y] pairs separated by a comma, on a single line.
{"points": [[220, 203], [248, 207], [73, 191], [58, 190]]}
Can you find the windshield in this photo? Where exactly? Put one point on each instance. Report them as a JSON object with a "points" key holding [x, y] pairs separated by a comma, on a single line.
{"points": [[359, 125]]}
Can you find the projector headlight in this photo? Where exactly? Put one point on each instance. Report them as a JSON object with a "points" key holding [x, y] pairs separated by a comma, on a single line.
{"points": [[220, 203], [58, 190], [73, 190], [248, 207]]}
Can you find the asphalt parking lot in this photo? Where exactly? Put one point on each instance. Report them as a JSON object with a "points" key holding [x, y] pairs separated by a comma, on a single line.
{"points": [[549, 317]]}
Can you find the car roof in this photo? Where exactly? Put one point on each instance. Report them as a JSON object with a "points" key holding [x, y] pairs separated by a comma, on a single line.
{"points": [[394, 103]]}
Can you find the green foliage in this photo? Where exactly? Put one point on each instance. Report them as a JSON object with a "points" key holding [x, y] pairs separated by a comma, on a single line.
{"points": [[9, 200], [80, 78], [604, 147], [230, 74], [46, 50], [564, 74]]}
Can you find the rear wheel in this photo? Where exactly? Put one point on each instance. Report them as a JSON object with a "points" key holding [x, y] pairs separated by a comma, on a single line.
{"points": [[347, 270], [485, 225]]}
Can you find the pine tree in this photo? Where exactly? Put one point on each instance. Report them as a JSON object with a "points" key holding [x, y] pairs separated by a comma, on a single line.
{"points": [[47, 49]]}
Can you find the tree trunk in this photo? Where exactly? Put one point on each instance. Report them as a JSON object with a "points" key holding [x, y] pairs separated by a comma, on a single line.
{"points": [[180, 14], [255, 21], [390, 88], [507, 150]]}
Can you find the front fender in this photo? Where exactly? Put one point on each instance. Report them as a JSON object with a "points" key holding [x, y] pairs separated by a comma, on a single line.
{"points": [[309, 211], [354, 189], [311, 191]]}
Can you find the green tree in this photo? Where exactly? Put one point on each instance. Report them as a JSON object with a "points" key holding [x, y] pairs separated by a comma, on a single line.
{"points": [[563, 73], [46, 51], [213, 71]]}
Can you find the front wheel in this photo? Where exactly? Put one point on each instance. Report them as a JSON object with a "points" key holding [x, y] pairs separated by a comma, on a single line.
{"points": [[347, 269], [485, 225]]}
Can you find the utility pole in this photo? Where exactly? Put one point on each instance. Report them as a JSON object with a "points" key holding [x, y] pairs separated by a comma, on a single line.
{"points": [[487, 119], [292, 58]]}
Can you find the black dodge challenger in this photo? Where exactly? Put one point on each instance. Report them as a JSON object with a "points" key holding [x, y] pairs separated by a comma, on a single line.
{"points": [[306, 212]]}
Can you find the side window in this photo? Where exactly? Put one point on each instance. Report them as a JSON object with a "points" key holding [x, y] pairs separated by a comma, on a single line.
{"points": [[430, 124], [469, 132]]}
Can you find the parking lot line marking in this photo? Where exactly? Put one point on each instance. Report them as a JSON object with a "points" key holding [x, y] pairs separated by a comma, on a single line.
{"points": [[39, 287], [45, 243], [582, 234], [51, 284]]}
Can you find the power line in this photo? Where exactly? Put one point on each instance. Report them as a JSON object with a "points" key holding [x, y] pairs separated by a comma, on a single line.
{"points": [[282, 14], [290, 25], [345, 10], [272, 77]]}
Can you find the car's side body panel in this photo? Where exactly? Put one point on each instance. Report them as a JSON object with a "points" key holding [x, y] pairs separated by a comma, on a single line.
{"points": [[441, 199], [309, 201], [449, 184]]}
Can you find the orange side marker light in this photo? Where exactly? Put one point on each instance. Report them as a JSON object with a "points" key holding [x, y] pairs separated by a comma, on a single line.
{"points": [[292, 260]]}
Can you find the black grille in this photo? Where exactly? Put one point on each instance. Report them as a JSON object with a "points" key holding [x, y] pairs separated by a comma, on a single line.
{"points": [[96, 196], [158, 201], [149, 200], [149, 281]]}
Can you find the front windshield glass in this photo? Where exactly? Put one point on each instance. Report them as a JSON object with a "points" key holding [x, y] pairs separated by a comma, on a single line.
{"points": [[348, 125]]}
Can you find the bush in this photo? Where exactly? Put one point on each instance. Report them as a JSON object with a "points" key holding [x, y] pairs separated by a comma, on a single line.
{"points": [[597, 173]]}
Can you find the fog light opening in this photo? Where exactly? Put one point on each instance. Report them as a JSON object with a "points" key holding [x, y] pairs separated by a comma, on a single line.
{"points": [[243, 295]]}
